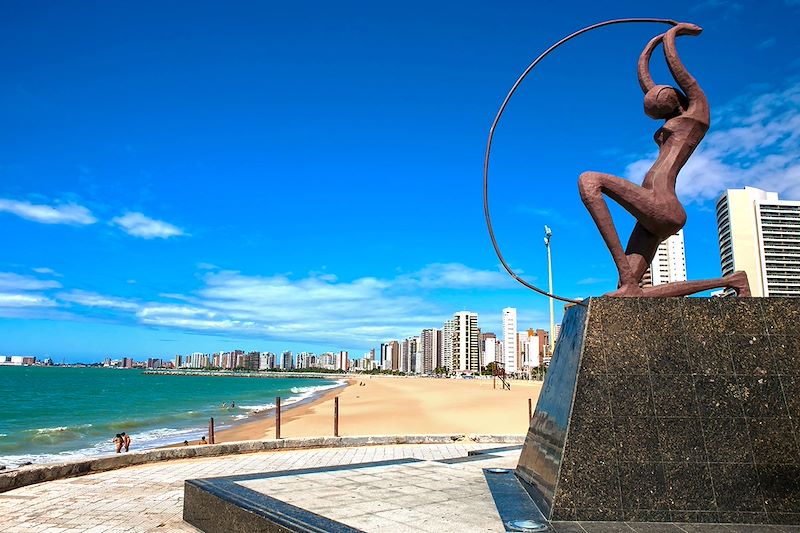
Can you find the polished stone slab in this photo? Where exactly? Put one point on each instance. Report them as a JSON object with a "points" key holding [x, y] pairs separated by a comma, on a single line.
{"points": [[438, 495], [515, 505], [670, 410]]}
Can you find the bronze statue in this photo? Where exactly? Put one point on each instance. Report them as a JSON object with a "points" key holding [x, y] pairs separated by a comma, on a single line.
{"points": [[654, 204]]}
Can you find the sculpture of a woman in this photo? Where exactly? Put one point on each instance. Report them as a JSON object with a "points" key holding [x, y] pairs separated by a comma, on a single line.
{"points": [[654, 204]]}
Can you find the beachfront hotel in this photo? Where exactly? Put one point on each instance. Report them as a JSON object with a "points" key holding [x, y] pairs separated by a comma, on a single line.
{"points": [[760, 234], [669, 263], [510, 339], [466, 341]]}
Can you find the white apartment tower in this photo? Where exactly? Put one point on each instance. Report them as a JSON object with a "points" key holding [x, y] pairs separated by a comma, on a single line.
{"points": [[669, 263], [491, 350], [760, 234], [429, 346], [509, 358], [447, 345], [466, 342]]}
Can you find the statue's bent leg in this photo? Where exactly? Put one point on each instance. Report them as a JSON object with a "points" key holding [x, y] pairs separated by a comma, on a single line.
{"points": [[736, 281], [636, 200], [641, 249]]}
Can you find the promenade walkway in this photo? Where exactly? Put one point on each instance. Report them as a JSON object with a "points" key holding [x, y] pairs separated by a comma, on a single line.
{"points": [[150, 497]]}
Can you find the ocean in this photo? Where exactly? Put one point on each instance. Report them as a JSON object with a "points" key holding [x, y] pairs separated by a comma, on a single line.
{"points": [[52, 414]]}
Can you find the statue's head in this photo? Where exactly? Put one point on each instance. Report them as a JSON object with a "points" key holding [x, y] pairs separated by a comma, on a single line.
{"points": [[662, 101]]}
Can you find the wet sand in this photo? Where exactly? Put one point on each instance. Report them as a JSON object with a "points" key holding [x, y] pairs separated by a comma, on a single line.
{"points": [[396, 405]]}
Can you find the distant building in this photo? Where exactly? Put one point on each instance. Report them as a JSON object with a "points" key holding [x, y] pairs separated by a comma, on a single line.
{"points": [[388, 355], [286, 361], [393, 355], [266, 361], [430, 347], [447, 345], [342, 363], [669, 263], [489, 353], [466, 340], [760, 234], [543, 341], [510, 340], [17, 360], [408, 351]]}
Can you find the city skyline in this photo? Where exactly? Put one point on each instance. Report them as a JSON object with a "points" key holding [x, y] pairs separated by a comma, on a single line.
{"points": [[257, 176]]}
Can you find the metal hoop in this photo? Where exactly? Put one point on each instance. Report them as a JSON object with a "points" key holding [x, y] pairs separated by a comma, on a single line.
{"points": [[497, 119]]}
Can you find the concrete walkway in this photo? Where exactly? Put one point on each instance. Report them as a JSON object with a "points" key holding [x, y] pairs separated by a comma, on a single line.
{"points": [[150, 497]]}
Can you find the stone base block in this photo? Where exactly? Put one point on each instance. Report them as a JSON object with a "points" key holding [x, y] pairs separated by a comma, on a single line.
{"points": [[670, 409]]}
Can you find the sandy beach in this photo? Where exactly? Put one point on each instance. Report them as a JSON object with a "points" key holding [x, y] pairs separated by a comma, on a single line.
{"points": [[397, 405]]}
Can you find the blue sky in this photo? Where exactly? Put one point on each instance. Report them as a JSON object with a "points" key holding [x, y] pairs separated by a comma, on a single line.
{"points": [[183, 176]]}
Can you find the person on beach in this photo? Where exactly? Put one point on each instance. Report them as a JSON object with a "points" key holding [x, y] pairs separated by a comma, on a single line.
{"points": [[126, 440], [203, 440], [224, 405], [118, 441], [233, 405], [186, 443]]}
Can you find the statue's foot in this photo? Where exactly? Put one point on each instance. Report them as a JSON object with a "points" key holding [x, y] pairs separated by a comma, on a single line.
{"points": [[738, 282], [626, 291]]}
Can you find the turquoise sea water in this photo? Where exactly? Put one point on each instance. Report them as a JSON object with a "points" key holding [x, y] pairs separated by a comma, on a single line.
{"points": [[53, 414]]}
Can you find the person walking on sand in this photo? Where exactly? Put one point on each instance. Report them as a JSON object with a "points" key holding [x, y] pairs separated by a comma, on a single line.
{"points": [[118, 441], [126, 440], [203, 440]]}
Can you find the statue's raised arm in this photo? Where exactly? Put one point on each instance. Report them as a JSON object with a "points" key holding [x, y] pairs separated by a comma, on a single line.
{"points": [[698, 104], [645, 79]]}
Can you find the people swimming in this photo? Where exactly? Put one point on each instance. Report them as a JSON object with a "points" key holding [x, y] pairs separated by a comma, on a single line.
{"points": [[654, 203]]}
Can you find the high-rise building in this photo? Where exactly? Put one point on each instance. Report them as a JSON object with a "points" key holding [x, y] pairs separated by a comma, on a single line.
{"points": [[510, 339], [489, 353], [543, 339], [342, 362], [286, 361], [429, 346], [760, 234], [466, 341], [447, 345], [669, 263], [390, 355]]}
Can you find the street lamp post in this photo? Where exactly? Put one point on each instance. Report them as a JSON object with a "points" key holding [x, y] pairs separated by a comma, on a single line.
{"points": [[547, 234]]}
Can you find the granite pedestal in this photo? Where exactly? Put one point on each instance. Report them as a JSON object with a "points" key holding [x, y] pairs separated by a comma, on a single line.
{"points": [[670, 410]]}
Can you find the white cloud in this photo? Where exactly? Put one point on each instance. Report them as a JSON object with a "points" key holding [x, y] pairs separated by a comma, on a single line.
{"points": [[25, 300], [754, 140], [592, 281], [48, 214], [458, 276], [19, 293], [318, 308], [45, 270], [17, 282], [139, 225], [92, 299]]}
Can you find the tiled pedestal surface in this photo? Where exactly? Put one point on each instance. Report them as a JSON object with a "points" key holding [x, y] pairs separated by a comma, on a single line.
{"points": [[673, 410]]}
